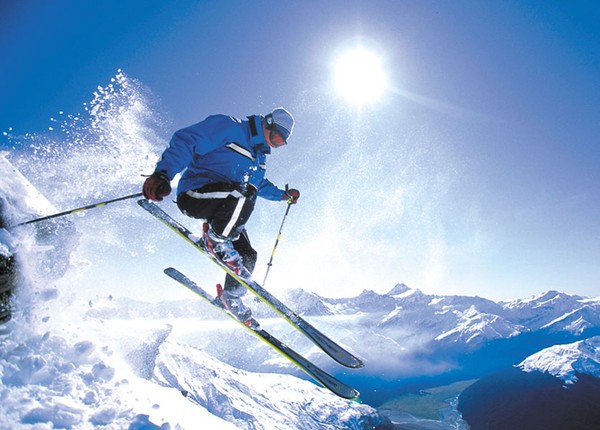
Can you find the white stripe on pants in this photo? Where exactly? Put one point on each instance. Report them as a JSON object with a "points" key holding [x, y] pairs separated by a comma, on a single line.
{"points": [[234, 216]]}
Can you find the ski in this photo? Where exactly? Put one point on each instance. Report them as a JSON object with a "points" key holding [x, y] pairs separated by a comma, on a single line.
{"points": [[319, 375], [329, 346]]}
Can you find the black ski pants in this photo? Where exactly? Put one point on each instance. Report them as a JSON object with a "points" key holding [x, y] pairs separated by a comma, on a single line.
{"points": [[226, 208]]}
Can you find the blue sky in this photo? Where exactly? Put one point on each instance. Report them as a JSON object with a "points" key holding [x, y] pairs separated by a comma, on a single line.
{"points": [[477, 172]]}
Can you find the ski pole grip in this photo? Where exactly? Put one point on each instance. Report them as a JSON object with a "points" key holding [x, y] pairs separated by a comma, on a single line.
{"points": [[290, 199]]}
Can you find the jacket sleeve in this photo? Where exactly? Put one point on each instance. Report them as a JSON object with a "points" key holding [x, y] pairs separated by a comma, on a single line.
{"points": [[267, 190], [200, 138]]}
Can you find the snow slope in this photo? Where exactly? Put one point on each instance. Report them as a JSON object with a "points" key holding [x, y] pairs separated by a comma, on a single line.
{"points": [[136, 376], [50, 381], [565, 361]]}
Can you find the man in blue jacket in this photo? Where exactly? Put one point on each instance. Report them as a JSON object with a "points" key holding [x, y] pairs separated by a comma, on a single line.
{"points": [[223, 160]]}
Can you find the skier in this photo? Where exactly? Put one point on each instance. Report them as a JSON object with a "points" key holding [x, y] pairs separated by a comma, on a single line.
{"points": [[224, 159]]}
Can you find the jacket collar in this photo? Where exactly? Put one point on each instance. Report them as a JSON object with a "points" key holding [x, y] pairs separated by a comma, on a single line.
{"points": [[257, 137]]}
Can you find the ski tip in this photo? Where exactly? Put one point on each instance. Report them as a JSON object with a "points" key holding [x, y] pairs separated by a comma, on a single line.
{"points": [[346, 392], [346, 359], [357, 364]]}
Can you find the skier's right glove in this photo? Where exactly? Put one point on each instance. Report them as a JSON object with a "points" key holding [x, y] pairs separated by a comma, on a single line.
{"points": [[156, 187]]}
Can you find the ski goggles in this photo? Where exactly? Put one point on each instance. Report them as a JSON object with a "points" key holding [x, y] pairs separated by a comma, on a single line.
{"points": [[276, 131]]}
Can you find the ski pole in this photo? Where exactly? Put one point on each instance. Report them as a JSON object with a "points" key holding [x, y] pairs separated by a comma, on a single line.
{"points": [[83, 208], [270, 263]]}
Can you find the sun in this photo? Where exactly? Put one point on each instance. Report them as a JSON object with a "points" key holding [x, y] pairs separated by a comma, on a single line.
{"points": [[359, 76]]}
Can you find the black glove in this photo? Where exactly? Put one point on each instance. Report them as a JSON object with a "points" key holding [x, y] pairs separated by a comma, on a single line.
{"points": [[291, 195], [156, 187]]}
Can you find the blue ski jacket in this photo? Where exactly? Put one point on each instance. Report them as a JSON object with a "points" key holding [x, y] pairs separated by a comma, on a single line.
{"points": [[220, 148]]}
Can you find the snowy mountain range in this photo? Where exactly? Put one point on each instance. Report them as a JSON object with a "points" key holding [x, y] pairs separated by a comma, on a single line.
{"points": [[461, 318], [408, 324], [412, 337], [441, 321]]}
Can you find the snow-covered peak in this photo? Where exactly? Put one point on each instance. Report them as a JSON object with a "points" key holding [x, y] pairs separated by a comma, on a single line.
{"points": [[547, 298], [541, 310], [474, 328], [463, 303], [577, 320], [368, 301], [307, 303], [398, 290], [565, 361]]}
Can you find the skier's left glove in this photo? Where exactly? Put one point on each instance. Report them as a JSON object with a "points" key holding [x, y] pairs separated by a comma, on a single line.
{"points": [[157, 186], [291, 195]]}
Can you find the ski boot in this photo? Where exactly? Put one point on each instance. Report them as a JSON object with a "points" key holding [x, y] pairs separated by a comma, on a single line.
{"points": [[222, 249], [234, 304]]}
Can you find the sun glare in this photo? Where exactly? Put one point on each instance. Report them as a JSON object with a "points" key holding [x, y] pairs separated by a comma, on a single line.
{"points": [[359, 77]]}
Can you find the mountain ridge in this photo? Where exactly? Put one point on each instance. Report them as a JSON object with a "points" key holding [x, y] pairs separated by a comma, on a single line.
{"points": [[556, 388]]}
